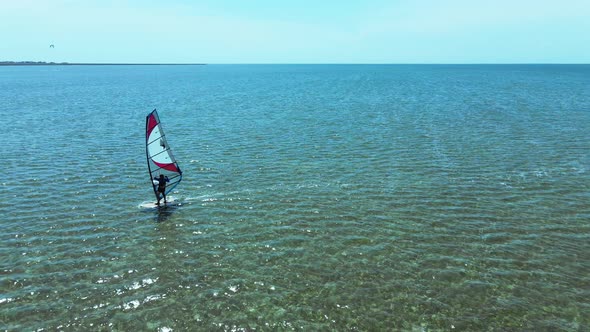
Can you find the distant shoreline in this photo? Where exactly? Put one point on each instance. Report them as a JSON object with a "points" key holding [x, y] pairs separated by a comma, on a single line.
{"points": [[42, 63]]}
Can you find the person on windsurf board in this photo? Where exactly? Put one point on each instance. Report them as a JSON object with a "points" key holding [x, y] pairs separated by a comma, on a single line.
{"points": [[161, 183], [163, 169]]}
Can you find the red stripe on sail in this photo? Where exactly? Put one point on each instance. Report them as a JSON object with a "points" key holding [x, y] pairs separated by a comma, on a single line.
{"points": [[152, 123], [168, 167]]}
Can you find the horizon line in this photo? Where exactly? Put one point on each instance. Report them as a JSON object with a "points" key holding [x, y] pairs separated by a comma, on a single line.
{"points": [[44, 63]]}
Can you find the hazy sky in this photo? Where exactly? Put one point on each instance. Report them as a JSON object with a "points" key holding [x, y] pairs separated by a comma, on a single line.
{"points": [[301, 31]]}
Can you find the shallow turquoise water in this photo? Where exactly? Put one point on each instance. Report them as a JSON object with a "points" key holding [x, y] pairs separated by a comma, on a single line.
{"points": [[335, 197]]}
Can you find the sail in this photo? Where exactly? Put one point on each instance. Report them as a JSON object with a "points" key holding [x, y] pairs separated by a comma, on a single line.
{"points": [[160, 159]]}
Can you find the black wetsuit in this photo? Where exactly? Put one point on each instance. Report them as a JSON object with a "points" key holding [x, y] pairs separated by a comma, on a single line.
{"points": [[162, 184]]}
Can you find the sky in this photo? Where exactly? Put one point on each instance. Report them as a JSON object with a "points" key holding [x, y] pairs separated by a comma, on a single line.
{"points": [[301, 31]]}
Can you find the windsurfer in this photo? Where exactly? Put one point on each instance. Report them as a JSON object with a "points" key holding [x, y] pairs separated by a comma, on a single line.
{"points": [[161, 187]]}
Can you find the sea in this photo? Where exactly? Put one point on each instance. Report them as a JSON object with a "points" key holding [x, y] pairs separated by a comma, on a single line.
{"points": [[314, 198]]}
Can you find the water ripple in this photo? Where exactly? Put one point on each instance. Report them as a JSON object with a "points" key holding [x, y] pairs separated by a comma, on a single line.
{"points": [[314, 198]]}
